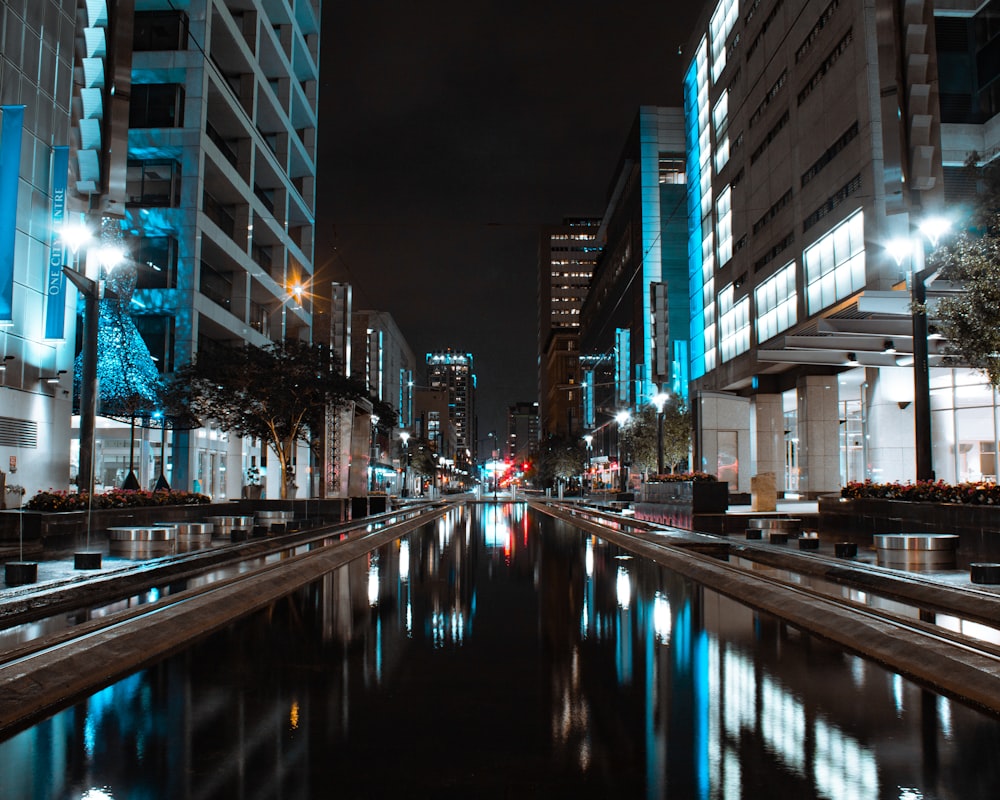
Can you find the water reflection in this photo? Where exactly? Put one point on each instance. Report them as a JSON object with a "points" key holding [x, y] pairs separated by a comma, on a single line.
{"points": [[495, 653]]}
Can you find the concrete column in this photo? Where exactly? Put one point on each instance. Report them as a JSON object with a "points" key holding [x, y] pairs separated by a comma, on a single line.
{"points": [[889, 418], [819, 434], [768, 452], [722, 438]]}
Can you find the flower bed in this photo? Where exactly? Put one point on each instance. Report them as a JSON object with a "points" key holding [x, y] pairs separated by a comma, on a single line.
{"points": [[116, 498], [980, 493]]}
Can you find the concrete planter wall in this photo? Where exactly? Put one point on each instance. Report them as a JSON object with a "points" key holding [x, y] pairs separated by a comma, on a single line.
{"points": [[38, 526], [677, 502], [978, 527]]}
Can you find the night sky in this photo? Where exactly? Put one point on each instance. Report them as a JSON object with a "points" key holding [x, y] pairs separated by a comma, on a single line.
{"points": [[451, 131]]}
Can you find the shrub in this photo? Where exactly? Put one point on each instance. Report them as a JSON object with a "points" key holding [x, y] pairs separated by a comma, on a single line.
{"points": [[973, 493], [683, 476], [53, 500]]}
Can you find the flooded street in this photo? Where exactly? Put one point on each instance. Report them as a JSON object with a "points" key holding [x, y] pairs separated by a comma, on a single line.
{"points": [[500, 653]]}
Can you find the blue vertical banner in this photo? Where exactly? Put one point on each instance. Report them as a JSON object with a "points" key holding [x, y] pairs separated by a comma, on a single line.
{"points": [[55, 281], [10, 163]]}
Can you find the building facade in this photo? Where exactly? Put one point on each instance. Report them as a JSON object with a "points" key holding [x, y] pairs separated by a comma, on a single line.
{"points": [[634, 321], [522, 432], [221, 191], [451, 371], [802, 339], [567, 255], [36, 331]]}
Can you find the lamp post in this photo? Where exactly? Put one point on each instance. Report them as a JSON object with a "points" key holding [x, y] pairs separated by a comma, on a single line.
{"points": [[589, 439], [405, 438], [373, 453], [932, 228], [621, 418], [659, 400]]}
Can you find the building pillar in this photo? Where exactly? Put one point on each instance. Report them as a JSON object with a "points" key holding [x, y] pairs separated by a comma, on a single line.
{"points": [[722, 438], [768, 452], [889, 425], [819, 434]]}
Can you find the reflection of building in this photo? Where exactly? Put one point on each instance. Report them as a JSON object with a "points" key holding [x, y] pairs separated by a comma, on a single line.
{"points": [[634, 328], [567, 254], [812, 143], [452, 372]]}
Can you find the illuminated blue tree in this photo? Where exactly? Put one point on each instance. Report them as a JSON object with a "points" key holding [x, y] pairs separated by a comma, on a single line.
{"points": [[129, 385]]}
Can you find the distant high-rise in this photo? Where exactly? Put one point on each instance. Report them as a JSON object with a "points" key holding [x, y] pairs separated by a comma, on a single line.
{"points": [[453, 371], [567, 254], [522, 431]]}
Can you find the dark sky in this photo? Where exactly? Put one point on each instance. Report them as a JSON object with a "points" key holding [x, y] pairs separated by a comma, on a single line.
{"points": [[450, 131]]}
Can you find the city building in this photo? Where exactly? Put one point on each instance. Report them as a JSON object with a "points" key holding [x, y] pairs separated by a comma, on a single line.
{"points": [[453, 372], [567, 254], [818, 134], [36, 323], [217, 195], [634, 321], [522, 432], [384, 362]]}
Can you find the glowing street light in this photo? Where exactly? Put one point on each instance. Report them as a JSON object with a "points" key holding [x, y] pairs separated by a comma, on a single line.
{"points": [[933, 228]]}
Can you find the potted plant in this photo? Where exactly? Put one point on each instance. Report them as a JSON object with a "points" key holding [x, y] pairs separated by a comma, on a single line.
{"points": [[251, 488]]}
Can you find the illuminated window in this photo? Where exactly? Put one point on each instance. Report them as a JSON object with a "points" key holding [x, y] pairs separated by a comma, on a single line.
{"points": [[721, 154], [776, 300], [734, 322], [720, 114], [835, 265], [720, 27], [724, 217]]}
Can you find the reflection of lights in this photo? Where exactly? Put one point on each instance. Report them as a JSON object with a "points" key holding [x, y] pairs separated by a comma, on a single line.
{"points": [[293, 716], [661, 618], [373, 583], [897, 693], [783, 724], [623, 588], [97, 794], [906, 793], [944, 715], [409, 620], [588, 559], [404, 560]]}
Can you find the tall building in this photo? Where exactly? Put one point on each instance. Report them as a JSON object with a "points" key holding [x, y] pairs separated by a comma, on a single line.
{"points": [[634, 321], [383, 361], [522, 432], [218, 191], [453, 372], [567, 255], [36, 323], [815, 139]]}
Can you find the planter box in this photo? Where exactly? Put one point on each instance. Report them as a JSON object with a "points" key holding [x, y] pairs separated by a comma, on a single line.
{"points": [[978, 527], [39, 526], [676, 502]]}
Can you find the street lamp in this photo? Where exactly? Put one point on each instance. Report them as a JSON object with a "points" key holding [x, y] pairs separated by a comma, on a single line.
{"points": [[932, 228], [405, 438], [92, 289], [659, 400], [622, 417], [589, 439]]}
